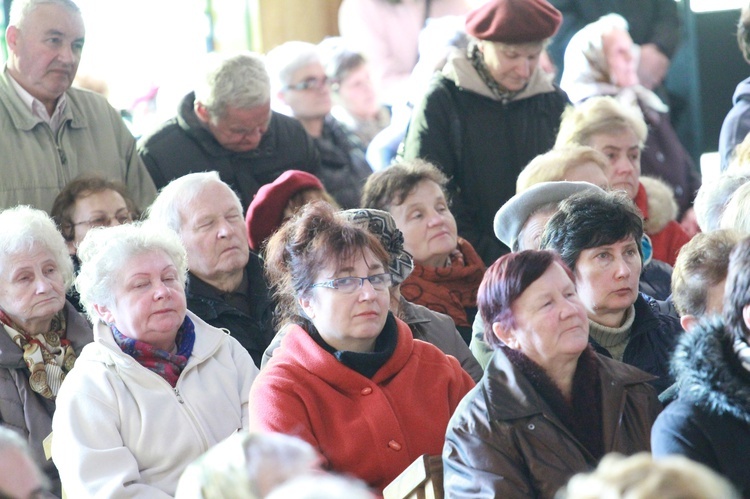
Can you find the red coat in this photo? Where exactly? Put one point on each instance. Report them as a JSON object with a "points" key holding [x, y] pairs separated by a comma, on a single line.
{"points": [[370, 428]]}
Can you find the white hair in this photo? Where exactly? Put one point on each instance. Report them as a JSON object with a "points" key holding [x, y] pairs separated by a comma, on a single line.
{"points": [[284, 60], [247, 465], [26, 228], [106, 251], [737, 211], [20, 9], [713, 196], [239, 81], [176, 195], [326, 486]]}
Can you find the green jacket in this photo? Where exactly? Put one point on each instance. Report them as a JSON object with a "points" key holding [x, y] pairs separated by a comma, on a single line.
{"points": [[36, 164]]}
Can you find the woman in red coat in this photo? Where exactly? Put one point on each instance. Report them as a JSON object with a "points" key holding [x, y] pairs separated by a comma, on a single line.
{"points": [[349, 378]]}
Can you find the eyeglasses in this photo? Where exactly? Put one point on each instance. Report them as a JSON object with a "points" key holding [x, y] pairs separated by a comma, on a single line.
{"points": [[379, 282], [106, 221], [311, 83]]}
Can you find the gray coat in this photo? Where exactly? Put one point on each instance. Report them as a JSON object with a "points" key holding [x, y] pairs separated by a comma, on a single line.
{"points": [[23, 410]]}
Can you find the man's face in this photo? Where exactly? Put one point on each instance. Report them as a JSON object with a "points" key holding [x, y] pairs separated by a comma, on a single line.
{"points": [[45, 51], [238, 130], [214, 234]]}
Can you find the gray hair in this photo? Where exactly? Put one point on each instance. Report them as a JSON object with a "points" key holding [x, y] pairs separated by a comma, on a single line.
{"points": [[25, 228], [737, 211], [10, 440], [284, 60], [105, 252], [240, 81], [20, 9], [179, 193], [322, 486], [713, 196]]}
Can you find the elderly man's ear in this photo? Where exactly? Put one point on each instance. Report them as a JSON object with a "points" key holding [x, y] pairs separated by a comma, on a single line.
{"points": [[505, 336], [201, 112]]}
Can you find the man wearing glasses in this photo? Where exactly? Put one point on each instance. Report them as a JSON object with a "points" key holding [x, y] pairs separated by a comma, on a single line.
{"points": [[227, 125], [302, 88]]}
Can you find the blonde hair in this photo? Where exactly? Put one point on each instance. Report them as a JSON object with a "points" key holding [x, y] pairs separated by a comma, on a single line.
{"points": [[737, 212], [599, 115], [555, 165], [642, 477]]}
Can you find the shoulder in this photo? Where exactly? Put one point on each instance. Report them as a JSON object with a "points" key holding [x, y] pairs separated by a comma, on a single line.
{"points": [[90, 104], [612, 371]]}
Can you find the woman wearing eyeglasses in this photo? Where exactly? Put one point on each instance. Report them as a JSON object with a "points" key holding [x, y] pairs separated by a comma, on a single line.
{"points": [[87, 202], [348, 377]]}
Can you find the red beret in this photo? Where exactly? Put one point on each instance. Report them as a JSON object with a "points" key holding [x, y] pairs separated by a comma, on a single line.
{"points": [[513, 21], [266, 211]]}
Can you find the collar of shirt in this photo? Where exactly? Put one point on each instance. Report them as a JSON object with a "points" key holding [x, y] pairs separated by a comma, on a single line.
{"points": [[37, 108]]}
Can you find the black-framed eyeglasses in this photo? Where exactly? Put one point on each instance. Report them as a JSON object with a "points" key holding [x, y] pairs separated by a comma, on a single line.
{"points": [[122, 217], [379, 282], [311, 83]]}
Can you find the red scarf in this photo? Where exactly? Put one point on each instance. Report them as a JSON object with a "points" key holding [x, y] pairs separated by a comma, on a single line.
{"points": [[448, 290]]}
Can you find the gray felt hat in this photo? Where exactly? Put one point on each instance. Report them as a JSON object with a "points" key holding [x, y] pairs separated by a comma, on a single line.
{"points": [[511, 217], [381, 224]]}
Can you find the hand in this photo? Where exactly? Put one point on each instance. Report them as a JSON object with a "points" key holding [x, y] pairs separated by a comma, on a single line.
{"points": [[652, 67], [689, 222]]}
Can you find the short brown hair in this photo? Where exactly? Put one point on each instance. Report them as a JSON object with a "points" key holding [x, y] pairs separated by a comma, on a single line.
{"points": [[391, 186], [81, 187], [307, 242], [701, 263]]}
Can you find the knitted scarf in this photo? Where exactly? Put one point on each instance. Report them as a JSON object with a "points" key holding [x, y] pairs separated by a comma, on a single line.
{"points": [[448, 290], [165, 364], [49, 356], [583, 414]]}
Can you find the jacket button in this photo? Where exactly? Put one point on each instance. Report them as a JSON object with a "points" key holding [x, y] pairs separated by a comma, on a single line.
{"points": [[394, 445], [366, 391], [531, 426]]}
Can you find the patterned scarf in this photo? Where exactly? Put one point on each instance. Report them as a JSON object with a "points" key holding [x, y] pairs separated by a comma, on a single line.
{"points": [[477, 60], [49, 356], [165, 364], [448, 290]]}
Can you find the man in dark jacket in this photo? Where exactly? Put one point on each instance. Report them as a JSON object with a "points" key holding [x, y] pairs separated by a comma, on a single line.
{"points": [[227, 125], [490, 112], [226, 287]]}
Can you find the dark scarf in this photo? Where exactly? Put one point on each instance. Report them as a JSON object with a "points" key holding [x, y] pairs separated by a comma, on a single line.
{"points": [[477, 60], [448, 290], [165, 364], [366, 363], [583, 415]]}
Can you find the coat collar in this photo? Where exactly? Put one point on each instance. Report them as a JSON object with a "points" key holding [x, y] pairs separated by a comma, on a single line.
{"points": [[460, 71], [709, 374]]}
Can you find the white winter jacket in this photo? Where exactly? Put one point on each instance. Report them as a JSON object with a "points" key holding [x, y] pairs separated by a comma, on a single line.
{"points": [[121, 430]]}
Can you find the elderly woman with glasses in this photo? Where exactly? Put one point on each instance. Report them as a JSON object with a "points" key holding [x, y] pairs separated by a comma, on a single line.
{"points": [[158, 387], [41, 335], [348, 377]]}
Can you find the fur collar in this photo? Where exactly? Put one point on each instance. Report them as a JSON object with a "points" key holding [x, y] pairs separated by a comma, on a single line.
{"points": [[662, 207], [709, 374]]}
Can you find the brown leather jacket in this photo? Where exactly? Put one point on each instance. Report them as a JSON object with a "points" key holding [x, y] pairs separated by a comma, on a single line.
{"points": [[505, 441]]}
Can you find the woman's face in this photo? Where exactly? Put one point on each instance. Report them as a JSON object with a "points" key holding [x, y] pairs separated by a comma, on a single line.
{"points": [[429, 229], [618, 51], [624, 153], [551, 323], [357, 93], [349, 321], [149, 300], [98, 209], [607, 280], [511, 65], [32, 289]]}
